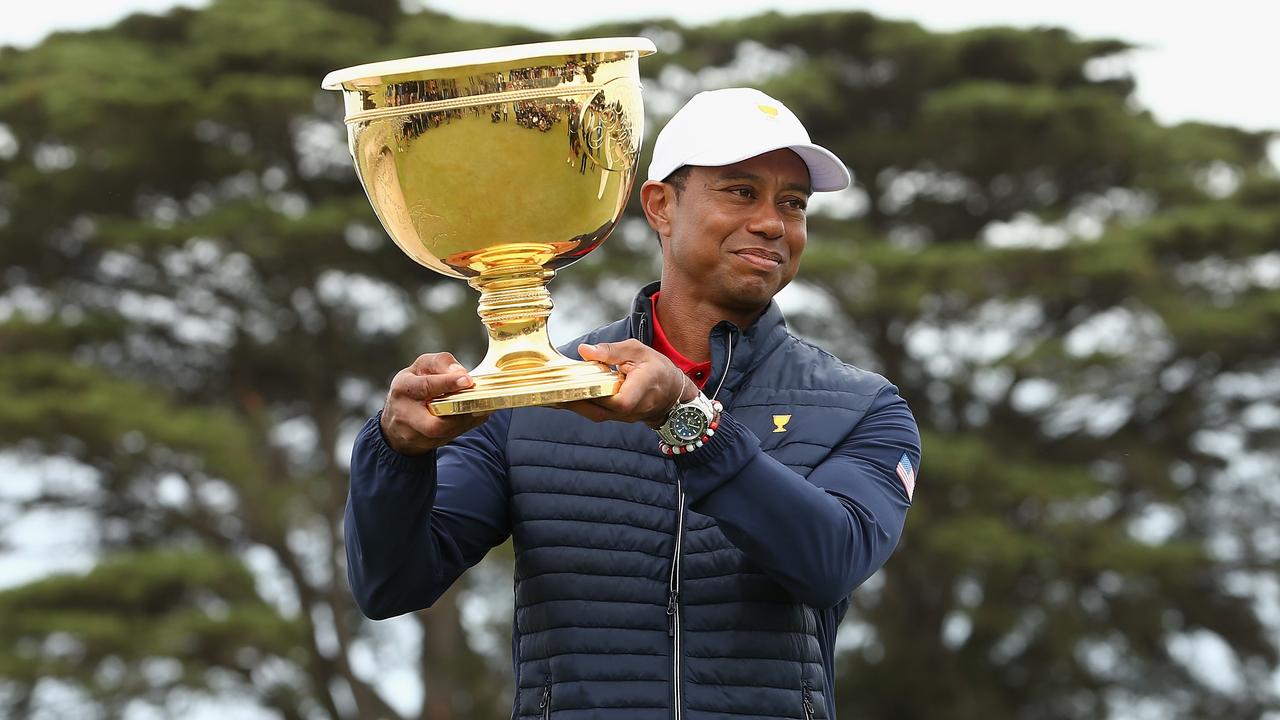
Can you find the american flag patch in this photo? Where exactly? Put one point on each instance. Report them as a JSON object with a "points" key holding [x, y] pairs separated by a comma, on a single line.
{"points": [[907, 475]]}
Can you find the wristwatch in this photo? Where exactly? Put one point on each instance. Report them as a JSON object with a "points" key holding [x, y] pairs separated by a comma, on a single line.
{"points": [[689, 425]]}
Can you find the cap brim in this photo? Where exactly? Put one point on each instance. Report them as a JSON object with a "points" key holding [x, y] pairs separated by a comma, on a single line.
{"points": [[826, 172]]}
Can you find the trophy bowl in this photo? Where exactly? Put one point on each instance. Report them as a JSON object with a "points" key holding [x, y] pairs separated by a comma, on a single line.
{"points": [[501, 166]]}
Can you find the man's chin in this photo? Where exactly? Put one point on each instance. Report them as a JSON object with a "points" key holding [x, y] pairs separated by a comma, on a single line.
{"points": [[751, 298]]}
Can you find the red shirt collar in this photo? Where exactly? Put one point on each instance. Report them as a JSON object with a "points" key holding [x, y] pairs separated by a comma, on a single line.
{"points": [[697, 372]]}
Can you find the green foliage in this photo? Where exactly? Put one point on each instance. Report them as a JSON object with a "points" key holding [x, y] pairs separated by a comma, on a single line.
{"points": [[104, 631], [197, 306]]}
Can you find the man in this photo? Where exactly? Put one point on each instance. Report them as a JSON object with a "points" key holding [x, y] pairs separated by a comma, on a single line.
{"points": [[699, 572]]}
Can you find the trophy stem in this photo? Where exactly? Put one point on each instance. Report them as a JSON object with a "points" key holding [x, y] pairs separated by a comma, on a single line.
{"points": [[514, 306], [522, 367]]}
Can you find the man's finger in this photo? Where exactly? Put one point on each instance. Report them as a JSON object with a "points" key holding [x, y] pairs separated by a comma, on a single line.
{"points": [[628, 397], [614, 353], [430, 387], [435, 364], [438, 430], [589, 409], [455, 425]]}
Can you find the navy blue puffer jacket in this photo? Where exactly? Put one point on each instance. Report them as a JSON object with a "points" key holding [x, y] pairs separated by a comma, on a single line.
{"points": [[702, 587]]}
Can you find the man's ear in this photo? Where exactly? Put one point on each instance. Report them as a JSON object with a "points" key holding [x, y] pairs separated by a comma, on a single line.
{"points": [[656, 199]]}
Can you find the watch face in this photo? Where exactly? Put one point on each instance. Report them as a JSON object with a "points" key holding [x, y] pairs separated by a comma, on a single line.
{"points": [[687, 424]]}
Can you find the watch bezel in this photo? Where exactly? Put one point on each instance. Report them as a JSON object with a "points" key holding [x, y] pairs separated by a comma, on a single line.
{"points": [[694, 416], [699, 412]]}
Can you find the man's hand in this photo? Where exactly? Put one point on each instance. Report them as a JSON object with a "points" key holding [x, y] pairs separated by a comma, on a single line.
{"points": [[651, 384], [407, 424]]}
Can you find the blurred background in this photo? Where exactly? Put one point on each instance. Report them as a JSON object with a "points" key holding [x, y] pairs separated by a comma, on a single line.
{"points": [[1063, 244]]}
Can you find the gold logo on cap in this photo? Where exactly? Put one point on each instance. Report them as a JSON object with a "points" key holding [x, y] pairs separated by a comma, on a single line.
{"points": [[769, 110], [780, 423]]}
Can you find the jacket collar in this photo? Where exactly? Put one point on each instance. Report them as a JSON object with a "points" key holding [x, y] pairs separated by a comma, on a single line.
{"points": [[745, 347]]}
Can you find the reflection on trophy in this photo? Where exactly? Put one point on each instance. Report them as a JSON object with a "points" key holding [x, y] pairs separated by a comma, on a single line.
{"points": [[502, 166]]}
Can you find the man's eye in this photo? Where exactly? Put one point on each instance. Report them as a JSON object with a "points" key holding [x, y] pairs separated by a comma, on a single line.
{"points": [[796, 203]]}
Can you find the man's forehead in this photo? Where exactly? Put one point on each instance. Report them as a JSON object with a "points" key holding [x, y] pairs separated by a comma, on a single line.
{"points": [[793, 171]]}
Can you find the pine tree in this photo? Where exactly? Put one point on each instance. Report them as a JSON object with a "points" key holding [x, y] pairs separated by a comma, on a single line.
{"points": [[198, 309]]}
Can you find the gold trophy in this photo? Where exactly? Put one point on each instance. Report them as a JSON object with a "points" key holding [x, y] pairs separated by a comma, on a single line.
{"points": [[502, 166]]}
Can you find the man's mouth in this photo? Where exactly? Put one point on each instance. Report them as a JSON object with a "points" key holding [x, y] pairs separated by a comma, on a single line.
{"points": [[760, 257]]}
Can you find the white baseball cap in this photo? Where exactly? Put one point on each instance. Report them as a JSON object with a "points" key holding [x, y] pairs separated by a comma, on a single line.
{"points": [[722, 127]]}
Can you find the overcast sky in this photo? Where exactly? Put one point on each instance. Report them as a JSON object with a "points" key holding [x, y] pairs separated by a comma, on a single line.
{"points": [[1202, 61]]}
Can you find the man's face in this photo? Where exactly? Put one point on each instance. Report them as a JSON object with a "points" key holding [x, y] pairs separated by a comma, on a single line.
{"points": [[735, 233]]}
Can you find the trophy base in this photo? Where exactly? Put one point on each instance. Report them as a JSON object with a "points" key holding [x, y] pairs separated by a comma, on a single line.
{"points": [[549, 385]]}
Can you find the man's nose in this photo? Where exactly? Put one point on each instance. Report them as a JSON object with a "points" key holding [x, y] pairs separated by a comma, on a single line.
{"points": [[766, 221]]}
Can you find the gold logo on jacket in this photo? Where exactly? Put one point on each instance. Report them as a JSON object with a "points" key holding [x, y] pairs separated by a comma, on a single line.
{"points": [[780, 423]]}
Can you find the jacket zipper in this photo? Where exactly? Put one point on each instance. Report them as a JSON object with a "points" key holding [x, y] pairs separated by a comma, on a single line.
{"points": [[673, 602], [807, 696], [673, 585], [545, 704]]}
